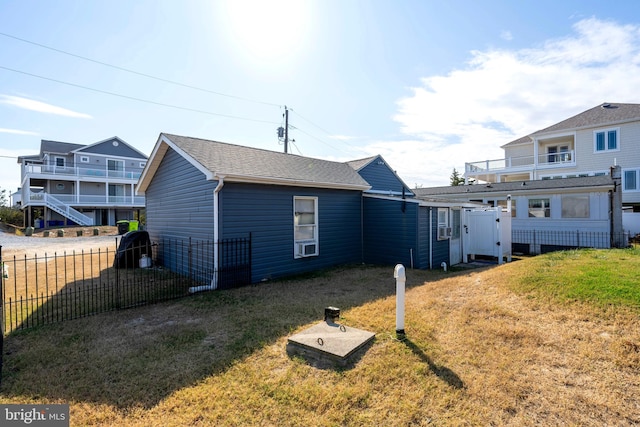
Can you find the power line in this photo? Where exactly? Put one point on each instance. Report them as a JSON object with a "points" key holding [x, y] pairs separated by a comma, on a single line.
{"points": [[139, 73], [194, 110], [313, 124], [161, 80]]}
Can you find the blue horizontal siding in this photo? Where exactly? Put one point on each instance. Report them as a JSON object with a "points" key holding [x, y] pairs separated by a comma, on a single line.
{"points": [[391, 235], [381, 177], [179, 201], [267, 213], [422, 258], [440, 247]]}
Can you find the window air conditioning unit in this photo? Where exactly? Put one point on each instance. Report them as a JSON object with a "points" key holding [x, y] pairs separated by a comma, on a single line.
{"points": [[306, 249], [444, 233]]}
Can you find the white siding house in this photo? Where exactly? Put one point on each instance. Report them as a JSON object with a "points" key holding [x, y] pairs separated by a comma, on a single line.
{"points": [[587, 144]]}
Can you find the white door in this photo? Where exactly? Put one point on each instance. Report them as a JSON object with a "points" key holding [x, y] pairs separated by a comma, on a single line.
{"points": [[455, 243]]}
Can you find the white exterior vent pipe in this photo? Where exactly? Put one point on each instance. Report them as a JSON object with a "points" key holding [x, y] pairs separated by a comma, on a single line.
{"points": [[444, 266]]}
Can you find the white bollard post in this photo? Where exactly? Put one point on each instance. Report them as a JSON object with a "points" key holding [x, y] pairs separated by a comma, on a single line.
{"points": [[400, 277]]}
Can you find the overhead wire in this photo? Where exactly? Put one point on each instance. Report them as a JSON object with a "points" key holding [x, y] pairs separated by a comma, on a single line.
{"points": [[173, 82], [194, 110], [165, 81]]}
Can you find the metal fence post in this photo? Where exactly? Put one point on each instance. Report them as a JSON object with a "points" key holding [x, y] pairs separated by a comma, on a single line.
{"points": [[1, 314]]}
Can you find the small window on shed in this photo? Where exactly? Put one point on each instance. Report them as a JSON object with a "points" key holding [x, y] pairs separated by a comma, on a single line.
{"points": [[444, 231], [305, 227]]}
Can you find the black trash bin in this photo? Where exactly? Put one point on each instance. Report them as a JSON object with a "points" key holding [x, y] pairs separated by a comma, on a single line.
{"points": [[123, 226], [133, 246]]}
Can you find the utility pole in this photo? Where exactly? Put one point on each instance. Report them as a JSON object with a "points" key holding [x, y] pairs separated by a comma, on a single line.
{"points": [[286, 130], [283, 132]]}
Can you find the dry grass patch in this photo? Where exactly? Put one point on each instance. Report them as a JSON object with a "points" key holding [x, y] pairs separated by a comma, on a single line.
{"points": [[477, 353]]}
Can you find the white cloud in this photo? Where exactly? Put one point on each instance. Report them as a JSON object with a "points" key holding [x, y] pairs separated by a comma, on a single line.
{"points": [[506, 35], [41, 107], [502, 95], [17, 131]]}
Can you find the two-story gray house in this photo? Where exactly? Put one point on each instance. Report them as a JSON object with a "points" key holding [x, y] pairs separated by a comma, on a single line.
{"points": [[67, 184]]}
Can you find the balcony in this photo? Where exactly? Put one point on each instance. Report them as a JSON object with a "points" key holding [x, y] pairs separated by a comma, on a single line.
{"points": [[81, 172], [490, 170], [39, 198]]}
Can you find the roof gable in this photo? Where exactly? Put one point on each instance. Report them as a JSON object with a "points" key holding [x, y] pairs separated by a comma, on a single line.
{"points": [[383, 180], [605, 114], [602, 115], [246, 164], [113, 146]]}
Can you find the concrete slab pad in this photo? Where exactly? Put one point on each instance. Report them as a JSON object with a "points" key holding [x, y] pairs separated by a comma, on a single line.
{"points": [[329, 344]]}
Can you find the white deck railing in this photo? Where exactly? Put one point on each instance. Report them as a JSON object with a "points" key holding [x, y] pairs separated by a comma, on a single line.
{"points": [[86, 200], [522, 163], [82, 172]]}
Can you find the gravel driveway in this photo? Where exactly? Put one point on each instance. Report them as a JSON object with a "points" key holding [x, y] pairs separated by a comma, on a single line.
{"points": [[13, 244]]}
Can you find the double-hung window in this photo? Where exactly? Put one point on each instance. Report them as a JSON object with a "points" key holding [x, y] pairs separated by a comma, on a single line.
{"points": [[606, 140], [630, 180], [305, 226]]}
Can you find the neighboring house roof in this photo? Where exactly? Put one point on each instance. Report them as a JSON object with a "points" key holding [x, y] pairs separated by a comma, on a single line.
{"points": [[542, 185], [57, 147], [66, 148], [112, 146], [246, 164], [602, 115]]}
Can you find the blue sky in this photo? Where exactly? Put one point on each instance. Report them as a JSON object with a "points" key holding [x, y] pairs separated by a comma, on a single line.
{"points": [[429, 85]]}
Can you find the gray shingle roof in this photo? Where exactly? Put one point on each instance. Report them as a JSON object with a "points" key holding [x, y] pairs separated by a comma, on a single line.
{"points": [[601, 115], [360, 163], [515, 186], [58, 147], [236, 160]]}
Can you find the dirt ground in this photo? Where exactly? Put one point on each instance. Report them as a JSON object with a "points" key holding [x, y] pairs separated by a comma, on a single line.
{"points": [[16, 245]]}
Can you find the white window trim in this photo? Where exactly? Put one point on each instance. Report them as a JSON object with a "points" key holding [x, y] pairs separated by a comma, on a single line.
{"points": [[119, 161], [606, 140], [543, 208], [444, 230], [300, 246], [55, 162], [624, 179]]}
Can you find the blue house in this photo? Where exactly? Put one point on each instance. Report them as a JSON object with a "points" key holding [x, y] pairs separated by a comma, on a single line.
{"points": [[302, 214]]}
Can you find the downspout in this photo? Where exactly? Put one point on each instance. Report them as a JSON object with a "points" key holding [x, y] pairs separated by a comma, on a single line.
{"points": [[216, 207], [362, 259], [430, 238]]}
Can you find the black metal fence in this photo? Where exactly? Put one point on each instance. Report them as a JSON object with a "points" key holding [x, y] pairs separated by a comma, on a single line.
{"points": [[47, 289], [532, 242]]}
